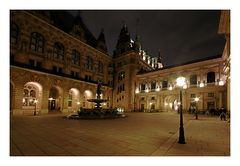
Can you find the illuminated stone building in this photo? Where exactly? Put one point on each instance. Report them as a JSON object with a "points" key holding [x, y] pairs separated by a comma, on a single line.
{"points": [[55, 67]]}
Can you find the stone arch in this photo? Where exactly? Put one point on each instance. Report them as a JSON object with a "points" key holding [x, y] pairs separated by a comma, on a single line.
{"points": [[170, 102], [55, 100], [73, 100], [32, 97]]}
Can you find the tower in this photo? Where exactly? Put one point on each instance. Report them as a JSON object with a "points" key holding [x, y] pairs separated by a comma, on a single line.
{"points": [[127, 62]]}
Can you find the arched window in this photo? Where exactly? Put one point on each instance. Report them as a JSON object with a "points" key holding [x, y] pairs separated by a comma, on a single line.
{"points": [[29, 95], [89, 64], [75, 57], [37, 42], [58, 51], [193, 79], [100, 67], [14, 31], [210, 77]]}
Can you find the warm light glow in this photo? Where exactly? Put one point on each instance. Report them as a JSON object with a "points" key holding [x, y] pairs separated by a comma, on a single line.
{"points": [[137, 91], [185, 86], [146, 90], [158, 89], [35, 101], [221, 83], [170, 88], [201, 85], [196, 99], [166, 104], [23, 100], [78, 103], [50, 99], [150, 103], [181, 81], [170, 105]]}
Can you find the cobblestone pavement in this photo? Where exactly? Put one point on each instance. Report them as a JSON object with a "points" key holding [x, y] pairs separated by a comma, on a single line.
{"points": [[139, 134]]}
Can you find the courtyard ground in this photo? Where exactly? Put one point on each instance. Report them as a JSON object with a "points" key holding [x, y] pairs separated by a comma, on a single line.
{"points": [[139, 134]]}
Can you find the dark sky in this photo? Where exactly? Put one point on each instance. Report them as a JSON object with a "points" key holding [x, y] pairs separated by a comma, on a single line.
{"points": [[181, 35]]}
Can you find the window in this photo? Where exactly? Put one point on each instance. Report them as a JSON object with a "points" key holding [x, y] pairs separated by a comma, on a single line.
{"points": [[121, 76], [14, 31], [100, 67], [143, 86], [153, 85], [193, 79], [39, 64], [89, 64], [31, 62], [75, 57], [210, 77], [58, 51], [29, 95], [210, 94], [193, 95], [37, 42], [164, 84], [153, 98], [57, 69]]}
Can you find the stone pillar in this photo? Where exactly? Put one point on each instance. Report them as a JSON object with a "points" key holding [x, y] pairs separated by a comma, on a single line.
{"points": [[17, 106], [220, 100], [45, 101], [65, 101]]}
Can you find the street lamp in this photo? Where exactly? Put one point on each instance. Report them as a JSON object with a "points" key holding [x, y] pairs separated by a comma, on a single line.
{"points": [[35, 110], [196, 99], [181, 82]]}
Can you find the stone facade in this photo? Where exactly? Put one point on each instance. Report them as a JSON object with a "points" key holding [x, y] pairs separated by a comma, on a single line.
{"points": [[54, 70]]}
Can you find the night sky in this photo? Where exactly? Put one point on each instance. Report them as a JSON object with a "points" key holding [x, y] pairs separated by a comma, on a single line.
{"points": [[180, 35]]}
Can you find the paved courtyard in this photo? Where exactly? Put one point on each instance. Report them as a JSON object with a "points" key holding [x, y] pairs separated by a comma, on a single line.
{"points": [[139, 134]]}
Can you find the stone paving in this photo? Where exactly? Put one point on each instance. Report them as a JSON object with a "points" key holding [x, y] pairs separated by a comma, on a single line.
{"points": [[139, 134]]}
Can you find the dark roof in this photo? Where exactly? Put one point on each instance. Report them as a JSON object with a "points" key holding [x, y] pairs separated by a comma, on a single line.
{"points": [[67, 24]]}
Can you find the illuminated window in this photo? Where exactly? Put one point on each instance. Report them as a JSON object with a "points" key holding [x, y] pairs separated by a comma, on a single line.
{"points": [[37, 42], [29, 95], [58, 51], [14, 31], [75, 57]]}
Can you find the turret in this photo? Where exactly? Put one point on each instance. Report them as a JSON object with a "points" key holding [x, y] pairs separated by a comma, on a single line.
{"points": [[124, 43]]}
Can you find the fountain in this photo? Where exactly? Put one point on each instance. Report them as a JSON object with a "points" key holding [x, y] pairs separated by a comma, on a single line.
{"points": [[97, 112]]}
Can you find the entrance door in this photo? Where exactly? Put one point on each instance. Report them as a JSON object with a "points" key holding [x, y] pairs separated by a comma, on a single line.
{"points": [[52, 105], [142, 107]]}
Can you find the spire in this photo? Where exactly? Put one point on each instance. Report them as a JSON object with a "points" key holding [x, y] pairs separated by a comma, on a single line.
{"points": [[124, 42], [159, 60], [101, 42], [77, 29]]}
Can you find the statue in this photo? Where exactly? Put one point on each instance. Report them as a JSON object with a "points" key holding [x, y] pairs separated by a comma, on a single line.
{"points": [[99, 89]]}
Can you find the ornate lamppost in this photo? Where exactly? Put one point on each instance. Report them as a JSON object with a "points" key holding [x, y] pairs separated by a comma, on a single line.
{"points": [[196, 99], [181, 82]]}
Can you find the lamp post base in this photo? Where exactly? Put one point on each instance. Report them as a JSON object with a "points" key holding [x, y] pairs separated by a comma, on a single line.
{"points": [[181, 139]]}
